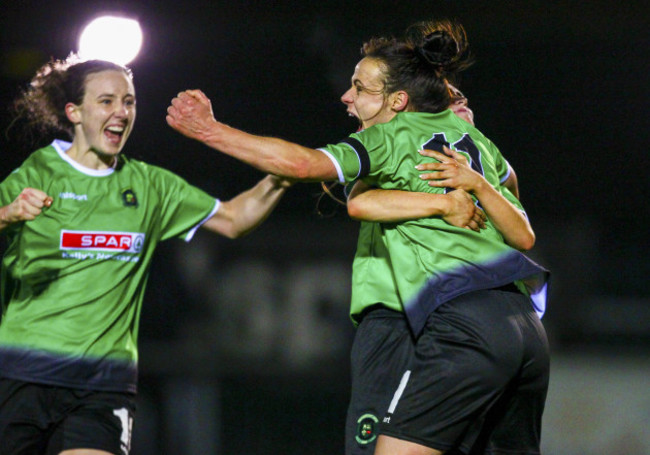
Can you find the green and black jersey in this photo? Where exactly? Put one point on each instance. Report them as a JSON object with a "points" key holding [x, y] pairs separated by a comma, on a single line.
{"points": [[73, 279], [415, 266]]}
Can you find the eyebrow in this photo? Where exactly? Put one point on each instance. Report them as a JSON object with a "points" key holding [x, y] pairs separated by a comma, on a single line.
{"points": [[112, 95]]}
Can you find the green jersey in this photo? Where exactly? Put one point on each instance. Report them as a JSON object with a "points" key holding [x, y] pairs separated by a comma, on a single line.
{"points": [[73, 279], [415, 266]]}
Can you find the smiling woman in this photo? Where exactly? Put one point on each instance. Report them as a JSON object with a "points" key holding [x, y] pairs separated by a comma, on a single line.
{"points": [[83, 222], [106, 115]]}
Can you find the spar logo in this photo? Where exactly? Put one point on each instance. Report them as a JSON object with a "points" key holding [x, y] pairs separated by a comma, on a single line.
{"points": [[130, 242]]}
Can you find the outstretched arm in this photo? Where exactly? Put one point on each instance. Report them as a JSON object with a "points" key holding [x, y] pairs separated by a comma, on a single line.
{"points": [[191, 114], [240, 215], [454, 171], [27, 206], [390, 206]]}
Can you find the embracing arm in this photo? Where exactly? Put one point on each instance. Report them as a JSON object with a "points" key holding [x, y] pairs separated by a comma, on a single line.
{"points": [[246, 211], [453, 170], [27, 206], [191, 114], [391, 206]]}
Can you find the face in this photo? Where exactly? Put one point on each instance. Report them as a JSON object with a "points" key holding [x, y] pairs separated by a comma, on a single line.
{"points": [[366, 99], [106, 115], [459, 105]]}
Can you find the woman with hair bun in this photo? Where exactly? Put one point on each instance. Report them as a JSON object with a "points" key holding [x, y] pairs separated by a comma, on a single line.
{"points": [[83, 222], [471, 355]]}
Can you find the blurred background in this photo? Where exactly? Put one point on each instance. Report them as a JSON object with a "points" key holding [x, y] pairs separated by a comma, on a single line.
{"points": [[244, 343]]}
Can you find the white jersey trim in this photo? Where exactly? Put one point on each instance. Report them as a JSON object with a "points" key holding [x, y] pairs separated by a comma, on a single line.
{"points": [[339, 171], [62, 146], [190, 235], [508, 172]]}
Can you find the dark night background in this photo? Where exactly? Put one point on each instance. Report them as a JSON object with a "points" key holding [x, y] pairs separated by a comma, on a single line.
{"points": [[561, 88]]}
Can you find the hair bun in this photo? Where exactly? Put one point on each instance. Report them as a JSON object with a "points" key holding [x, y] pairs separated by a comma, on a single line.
{"points": [[438, 48]]}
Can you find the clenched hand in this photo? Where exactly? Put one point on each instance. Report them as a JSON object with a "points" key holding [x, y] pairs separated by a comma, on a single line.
{"points": [[190, 113]]}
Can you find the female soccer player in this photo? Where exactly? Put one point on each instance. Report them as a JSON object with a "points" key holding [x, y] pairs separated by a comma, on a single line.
{"points": [[373, 385], [481, 355], [83, 221]]}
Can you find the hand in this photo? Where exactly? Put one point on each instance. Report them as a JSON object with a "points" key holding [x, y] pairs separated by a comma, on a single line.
{"points": [[27, 206], [452, 171], [464, 213], [190, 113]]}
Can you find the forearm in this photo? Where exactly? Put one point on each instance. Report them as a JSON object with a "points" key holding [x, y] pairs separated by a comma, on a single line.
{"points": [[391, 206], [191, 114], [271, 155], [246, 211], [507, 218]]}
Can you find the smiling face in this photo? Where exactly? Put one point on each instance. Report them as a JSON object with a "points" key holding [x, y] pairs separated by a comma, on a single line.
{"points": [[103, 120], [366, 99]]}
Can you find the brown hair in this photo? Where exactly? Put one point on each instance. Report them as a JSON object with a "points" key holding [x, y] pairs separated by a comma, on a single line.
{"points": [[42, 104], [421, 61]]}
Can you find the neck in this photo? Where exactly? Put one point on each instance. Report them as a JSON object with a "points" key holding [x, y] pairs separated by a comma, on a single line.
{"points": [[91, 158]]}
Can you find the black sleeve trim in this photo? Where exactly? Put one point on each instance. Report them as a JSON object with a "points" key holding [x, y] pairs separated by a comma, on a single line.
{"points": [[362, 153]]}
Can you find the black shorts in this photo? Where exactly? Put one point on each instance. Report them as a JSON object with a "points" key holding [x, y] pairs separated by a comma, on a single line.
{"points": [[381, 350], [42, 419], [478, 379]]}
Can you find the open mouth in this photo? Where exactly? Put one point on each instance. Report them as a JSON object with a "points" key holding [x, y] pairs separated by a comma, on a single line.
{"points": [[114, 134]]}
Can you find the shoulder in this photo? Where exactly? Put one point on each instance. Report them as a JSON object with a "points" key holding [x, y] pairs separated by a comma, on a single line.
{"points": [[163, 180], [49, 152], [39, 161]]}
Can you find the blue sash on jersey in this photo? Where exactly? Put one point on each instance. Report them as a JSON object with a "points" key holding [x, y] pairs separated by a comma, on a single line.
{"points": [[512, 267]]}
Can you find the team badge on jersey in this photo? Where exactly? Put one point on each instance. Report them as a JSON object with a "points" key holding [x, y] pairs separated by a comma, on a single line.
{"points": [[366, 429], [128, 196], [130, 242]]}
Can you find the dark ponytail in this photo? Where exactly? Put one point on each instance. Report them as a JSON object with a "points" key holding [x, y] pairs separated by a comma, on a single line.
{"points": [[422, 61], [442, 44]]}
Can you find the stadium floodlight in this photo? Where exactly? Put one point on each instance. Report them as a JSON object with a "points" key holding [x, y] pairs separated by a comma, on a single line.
{"points": [[116, 39]]}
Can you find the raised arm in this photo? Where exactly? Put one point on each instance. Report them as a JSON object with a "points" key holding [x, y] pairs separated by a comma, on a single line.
{"points": [[454, 171], [191, 114], [372, 204], [240, 215], [26, 207]]}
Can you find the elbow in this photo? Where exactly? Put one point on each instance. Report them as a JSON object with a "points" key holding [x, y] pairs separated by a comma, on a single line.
{"points": [[232, 234], [527, 242], [355, 210], [528, 245], [235, 231], [300, 170], [309, 165]]}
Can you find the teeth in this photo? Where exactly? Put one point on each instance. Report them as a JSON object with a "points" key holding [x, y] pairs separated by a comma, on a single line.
{"points": [[115, 129]]}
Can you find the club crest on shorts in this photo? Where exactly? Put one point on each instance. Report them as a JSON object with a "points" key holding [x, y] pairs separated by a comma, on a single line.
{"points": [[129, 199], [366, 429]]}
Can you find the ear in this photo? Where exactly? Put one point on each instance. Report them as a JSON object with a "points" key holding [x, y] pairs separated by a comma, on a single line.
{"points": [[400, 101], [72, 112]]}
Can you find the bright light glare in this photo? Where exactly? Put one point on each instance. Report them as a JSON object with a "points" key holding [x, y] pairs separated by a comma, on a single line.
{"points": [[115, 39]]}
